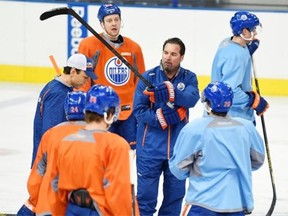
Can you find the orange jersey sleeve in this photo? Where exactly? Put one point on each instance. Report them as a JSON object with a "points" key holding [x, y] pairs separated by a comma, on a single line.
{"points": [[36, 176], [113, 72], [39, 179], [98, 162]]}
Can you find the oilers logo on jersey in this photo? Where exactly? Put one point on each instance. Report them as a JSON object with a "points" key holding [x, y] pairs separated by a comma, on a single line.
{"points": [[116, 72]]}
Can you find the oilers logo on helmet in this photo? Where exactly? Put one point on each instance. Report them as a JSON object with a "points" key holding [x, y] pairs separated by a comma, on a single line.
{"points": [[243, 17], [116, 72]]}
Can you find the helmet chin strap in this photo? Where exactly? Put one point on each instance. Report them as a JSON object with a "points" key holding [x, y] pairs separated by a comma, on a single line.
{"points": [[207, 108], [248, 39], [109, 122]]}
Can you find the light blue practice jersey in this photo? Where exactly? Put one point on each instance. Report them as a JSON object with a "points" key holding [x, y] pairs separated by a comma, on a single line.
{"points": [[218, 155], [232, 65]]}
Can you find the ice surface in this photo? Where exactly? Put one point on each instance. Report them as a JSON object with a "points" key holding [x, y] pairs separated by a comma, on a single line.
{"points": [[17, 107]]}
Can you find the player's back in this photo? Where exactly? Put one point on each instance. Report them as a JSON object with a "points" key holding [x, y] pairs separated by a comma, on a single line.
{"points": [[228, 151], [97, 161], [42, 170]]}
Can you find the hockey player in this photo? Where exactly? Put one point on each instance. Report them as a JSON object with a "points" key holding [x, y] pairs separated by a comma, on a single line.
{"points": [[159, 125], [232, 65], [111, 71], [218, 153], [38, 184], [93, 164], [49, 110]]}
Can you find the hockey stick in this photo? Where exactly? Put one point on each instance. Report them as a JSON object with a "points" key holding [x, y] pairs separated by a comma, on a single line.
{"points": [[132, 156], [70, 11], [273, 203], [56, 68]]}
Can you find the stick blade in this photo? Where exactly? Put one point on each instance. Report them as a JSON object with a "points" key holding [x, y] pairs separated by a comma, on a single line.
{"points": [[54, 12]]}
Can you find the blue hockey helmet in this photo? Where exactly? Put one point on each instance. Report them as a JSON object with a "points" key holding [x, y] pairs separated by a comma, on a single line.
{"points": [[74, 105], [242, 20], [220, 96], [100, 99], [108, 9]]}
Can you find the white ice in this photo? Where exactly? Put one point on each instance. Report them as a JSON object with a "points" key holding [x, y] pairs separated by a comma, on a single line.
{"points": [[17, 107]]}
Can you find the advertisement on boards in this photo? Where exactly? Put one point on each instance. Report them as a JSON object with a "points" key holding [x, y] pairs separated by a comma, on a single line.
{"points": [[76, 31]]}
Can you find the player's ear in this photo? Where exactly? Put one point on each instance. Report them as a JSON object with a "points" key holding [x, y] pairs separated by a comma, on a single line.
{"points": [[72, 71], [102, 24]]}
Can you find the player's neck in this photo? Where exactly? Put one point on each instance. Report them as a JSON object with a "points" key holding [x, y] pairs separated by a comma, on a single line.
{"points": [[66, 78], [110, 37], [97, 126], [239, 40]]}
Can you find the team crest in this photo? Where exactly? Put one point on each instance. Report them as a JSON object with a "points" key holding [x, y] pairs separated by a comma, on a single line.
{"points": [[180, 86], [116, 72]]}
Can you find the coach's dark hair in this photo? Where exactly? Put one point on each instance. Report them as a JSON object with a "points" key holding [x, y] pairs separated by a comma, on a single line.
{"points": [[178, 41]]}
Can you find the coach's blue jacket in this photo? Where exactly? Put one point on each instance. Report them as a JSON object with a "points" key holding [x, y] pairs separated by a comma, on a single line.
{"points": [[152, 140]]}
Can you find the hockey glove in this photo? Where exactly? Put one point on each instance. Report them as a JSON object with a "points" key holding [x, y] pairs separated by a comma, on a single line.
{"points": [[257, 102], [161, 93], [169, 116], [27, 209], [253, 46]]}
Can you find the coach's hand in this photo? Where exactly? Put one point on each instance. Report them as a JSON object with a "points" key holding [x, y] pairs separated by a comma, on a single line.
{"points": [[161, 93], [169, 116]]}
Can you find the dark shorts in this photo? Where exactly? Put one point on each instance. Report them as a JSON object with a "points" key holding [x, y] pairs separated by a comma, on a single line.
{"points": [[74, 210]]}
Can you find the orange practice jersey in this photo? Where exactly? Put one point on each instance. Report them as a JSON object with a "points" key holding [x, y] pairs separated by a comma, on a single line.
{"points": [[97, 161], [113, 72], [39, 179]]}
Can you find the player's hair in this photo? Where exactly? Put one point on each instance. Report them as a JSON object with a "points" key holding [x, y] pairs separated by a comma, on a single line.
{"points": [[67, 69], [95, 117]]}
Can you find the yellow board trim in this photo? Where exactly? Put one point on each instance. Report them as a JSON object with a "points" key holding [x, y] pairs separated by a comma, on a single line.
{"points": [[267, 86], [29, 74], [26, 74]]}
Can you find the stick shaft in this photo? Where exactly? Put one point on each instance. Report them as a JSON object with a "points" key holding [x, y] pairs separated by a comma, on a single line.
{"points": [[70, 11], [273, 203], [56, 68]]}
